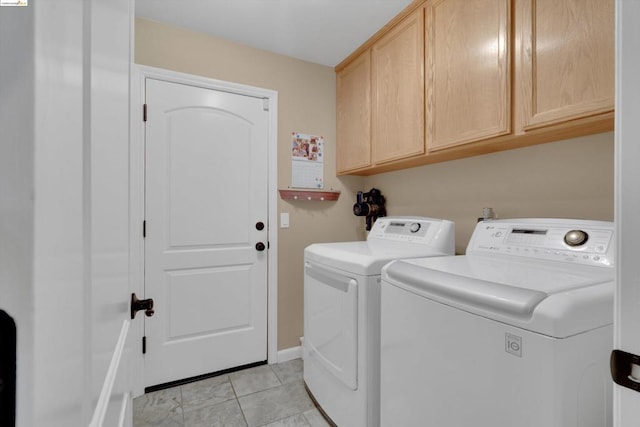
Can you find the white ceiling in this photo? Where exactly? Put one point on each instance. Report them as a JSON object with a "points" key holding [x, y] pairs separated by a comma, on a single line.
{"points": [[320, 31]]}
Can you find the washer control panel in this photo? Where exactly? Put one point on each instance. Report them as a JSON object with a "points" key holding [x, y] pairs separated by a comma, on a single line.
{"points": [[579, 241]]}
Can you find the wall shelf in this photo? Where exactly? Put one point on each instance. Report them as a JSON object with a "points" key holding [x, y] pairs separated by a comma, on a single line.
{"points": [[309, 195]]}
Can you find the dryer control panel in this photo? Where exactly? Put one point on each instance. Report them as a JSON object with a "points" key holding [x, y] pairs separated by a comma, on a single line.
{"points": [[420, 230], [579, 241]]}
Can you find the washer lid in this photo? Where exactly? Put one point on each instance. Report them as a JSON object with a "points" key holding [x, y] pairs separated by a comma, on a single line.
{"points": [[365, 258], [553, 298]]}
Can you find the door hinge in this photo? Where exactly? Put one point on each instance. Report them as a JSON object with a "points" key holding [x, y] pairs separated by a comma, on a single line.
{"points": [[144, 112], [144, 344], [144, 229], [265, 104]]}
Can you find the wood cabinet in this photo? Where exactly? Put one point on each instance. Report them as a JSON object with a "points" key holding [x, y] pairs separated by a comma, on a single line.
{"points": [[397, 62], [468, 71], [458, 78], [380, 99], [353, 118], [566, 59]]}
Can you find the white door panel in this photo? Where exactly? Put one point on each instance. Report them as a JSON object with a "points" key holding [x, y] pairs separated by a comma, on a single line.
{"points": [[206, 188], [209, 313], [215, 209]]}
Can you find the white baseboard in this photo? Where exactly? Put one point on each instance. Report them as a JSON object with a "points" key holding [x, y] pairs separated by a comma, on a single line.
{"points": [[289, 354]]}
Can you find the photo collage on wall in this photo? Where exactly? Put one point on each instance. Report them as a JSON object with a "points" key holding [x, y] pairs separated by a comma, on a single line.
{"points": [[307, 161]]}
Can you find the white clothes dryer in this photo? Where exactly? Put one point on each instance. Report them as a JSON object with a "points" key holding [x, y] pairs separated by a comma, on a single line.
{"points": [[517, 332], [341, 347]]}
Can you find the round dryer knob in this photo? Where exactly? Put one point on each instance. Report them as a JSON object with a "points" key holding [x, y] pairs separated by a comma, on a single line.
{"points": [[576, 237], [415, 227]]}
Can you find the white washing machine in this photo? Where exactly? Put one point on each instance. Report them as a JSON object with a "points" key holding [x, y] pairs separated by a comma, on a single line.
{"points": [[342, 313], [517, 332]]}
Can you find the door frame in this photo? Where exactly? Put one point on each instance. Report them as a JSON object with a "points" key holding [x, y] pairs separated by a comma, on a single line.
{"points": [[627, 202], [137, 177]]}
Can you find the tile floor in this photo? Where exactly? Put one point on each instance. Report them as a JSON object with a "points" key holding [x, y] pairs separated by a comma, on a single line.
{"points": [[267, 395]]}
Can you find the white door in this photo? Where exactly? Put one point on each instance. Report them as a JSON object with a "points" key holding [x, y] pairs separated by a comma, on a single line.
{"points": [[627, 190], [112, 342], [206, 230], [64, 207]]}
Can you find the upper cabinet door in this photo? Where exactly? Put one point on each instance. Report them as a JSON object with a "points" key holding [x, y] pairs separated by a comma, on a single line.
{"points": [[468, 71], [354, 115], [398, 91], [567, 59]]}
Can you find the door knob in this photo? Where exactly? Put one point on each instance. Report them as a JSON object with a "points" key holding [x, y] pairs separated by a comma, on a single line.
{"points": [[259, 225], [141, 304], [260, 246]]}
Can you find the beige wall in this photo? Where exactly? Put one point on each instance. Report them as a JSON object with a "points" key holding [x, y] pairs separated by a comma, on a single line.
{"points": [[572, 178], [565, 179], [306, 97]]}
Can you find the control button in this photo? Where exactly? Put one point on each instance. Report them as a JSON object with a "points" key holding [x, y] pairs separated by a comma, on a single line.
{"points": [[596, 258], [414, 227], [498, 233], [576, 237]]}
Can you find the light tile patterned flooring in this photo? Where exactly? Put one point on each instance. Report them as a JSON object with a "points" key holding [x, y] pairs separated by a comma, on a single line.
{"points": [[267, 395]]}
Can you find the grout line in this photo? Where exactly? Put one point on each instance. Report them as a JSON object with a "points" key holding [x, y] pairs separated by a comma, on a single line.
{"points": [[244, 417], [276, 374]]}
